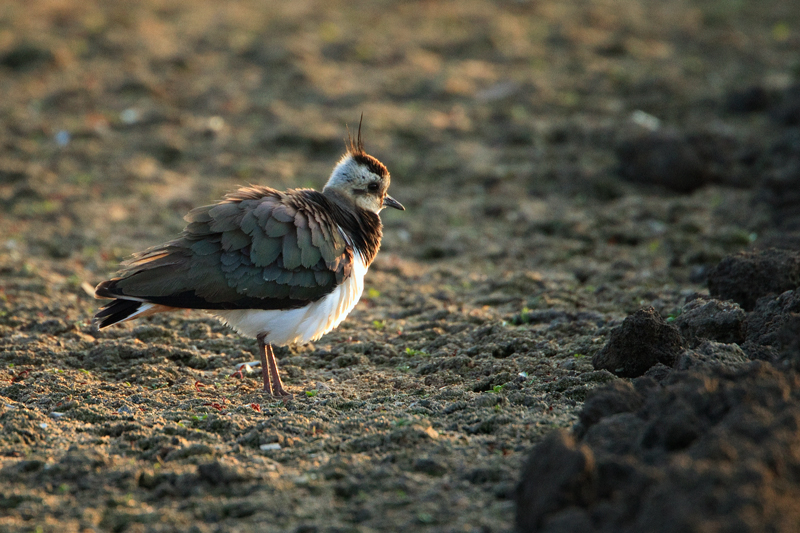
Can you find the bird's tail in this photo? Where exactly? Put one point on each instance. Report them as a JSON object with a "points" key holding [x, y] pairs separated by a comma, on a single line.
{"points": [[121, 310]]}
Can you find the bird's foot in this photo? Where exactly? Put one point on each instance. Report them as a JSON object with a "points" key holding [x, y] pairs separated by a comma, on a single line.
{"points": [[277, 391]]}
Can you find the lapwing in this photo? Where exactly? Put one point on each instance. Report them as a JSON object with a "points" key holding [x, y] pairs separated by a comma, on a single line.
{"points": [[285, 267]]}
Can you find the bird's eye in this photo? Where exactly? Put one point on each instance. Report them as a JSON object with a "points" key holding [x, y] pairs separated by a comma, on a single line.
{"points": [[373, 187]]}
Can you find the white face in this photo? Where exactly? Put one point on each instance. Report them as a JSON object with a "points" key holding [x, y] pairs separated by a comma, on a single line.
{"points": [[358, 182]]}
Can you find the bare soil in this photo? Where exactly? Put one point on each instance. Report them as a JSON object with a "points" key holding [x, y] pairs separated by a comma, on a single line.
{"points": [[507, 129]]}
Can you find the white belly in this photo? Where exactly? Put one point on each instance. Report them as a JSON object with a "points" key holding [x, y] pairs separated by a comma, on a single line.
{"points": [[305, 324]]}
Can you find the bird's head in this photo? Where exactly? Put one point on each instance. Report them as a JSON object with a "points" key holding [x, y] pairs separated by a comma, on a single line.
{"points": [[360, 179]]}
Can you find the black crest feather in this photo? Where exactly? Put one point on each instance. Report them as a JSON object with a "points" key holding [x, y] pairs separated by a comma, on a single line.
{"points": [[356, 147]]}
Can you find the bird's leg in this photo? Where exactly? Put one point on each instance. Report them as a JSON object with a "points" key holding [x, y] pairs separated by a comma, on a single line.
{"points": [[262, 349], [277, 385]]}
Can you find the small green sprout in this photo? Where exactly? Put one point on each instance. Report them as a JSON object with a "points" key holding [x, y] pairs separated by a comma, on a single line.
{"points": [[524, 317], [311, 393], [781, 31], [425, 518]]}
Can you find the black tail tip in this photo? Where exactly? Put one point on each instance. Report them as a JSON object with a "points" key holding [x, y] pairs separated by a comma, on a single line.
{"points": [[114, 312]]}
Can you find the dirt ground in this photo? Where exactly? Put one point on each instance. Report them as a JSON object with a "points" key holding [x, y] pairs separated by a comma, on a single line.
{"points": [[513, 131]]}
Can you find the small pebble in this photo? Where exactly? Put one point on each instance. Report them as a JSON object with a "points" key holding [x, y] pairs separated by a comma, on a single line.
{"points": [[216, 123], [62, 138], [129, 116], [645, 120]]}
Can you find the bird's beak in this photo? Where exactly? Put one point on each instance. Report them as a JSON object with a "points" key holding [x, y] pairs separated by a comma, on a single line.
{"points": [[388, 201]]}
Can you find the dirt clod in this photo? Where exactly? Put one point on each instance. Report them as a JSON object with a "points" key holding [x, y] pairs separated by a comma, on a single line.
{"points": [[772, 331], [715, 320], [747, 276], [693, 444], [642, 340], [711, 353], [616, 397], [684, 162], [559, 473]]}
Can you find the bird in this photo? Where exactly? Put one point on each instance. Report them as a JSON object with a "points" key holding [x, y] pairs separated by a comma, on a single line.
{"points": [[285, 267]]}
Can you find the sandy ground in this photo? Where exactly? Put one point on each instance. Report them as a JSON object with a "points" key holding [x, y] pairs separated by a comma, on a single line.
{"points": [[504, 125]]}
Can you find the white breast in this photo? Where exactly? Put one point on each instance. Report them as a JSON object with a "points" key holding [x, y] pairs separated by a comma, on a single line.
{"points": [[305, 324]]}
